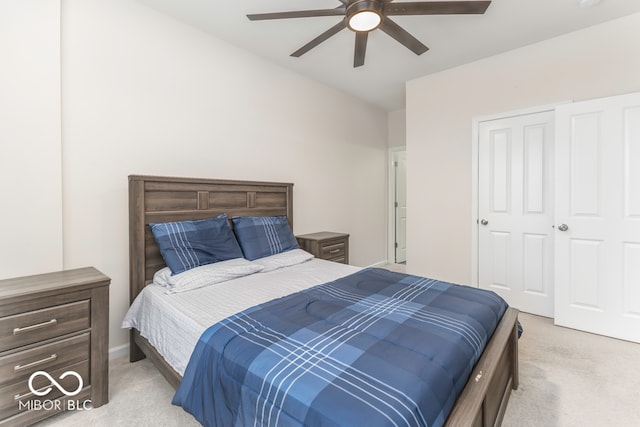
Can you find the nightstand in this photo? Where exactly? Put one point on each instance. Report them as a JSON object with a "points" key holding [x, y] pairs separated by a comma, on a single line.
{"points": [[326, 245], [54, 339]]}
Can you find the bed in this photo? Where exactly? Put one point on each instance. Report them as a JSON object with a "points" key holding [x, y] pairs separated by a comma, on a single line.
{"points": [[482, 400]]}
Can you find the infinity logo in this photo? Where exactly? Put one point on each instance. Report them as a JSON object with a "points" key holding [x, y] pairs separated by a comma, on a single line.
{"points": [[55, 383]]}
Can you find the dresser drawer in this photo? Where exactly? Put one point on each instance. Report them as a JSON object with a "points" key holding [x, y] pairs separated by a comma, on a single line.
{"points": [[19, 366], [333, 250], [33, 326], [11, 396], [54, 331]]}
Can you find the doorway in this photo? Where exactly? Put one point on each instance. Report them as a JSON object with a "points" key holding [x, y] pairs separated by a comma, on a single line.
{"points": [[398, 206]]}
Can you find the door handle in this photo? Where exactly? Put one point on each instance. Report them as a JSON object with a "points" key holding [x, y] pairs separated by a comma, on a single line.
{"points": [[563, 227], [484, 222]]}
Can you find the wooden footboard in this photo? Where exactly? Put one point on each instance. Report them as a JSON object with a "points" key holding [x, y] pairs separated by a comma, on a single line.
{"points": [[484, 399]]}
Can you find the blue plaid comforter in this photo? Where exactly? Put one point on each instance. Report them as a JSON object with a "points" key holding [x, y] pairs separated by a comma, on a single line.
{"points": [[375, 348]]}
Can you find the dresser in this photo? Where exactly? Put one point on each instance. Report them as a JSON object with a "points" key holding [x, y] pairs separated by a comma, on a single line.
{"points": [[326, 245], [54, 339]]}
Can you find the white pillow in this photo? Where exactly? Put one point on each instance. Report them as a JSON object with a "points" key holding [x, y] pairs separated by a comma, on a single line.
{"points": [[205, 275], [283, 259]]}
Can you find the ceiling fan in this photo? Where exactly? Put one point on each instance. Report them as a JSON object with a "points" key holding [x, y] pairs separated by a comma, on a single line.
{"points": [[364, 16]]}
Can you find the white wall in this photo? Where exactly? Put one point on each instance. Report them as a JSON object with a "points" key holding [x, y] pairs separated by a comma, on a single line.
{"points": [[397, 129], [30, 178], [595, 62], [146, 94]]}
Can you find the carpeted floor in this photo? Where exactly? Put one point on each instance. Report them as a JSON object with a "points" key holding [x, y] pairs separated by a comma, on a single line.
{"points": [[571, 378], [567, 378]]}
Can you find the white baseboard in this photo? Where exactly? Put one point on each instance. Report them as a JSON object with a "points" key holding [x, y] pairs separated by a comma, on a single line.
{"points": [[119, 351], [379, 263]]}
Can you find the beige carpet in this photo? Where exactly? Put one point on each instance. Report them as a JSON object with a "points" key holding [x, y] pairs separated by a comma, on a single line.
{"points": [[567, 378], [571, 378]]}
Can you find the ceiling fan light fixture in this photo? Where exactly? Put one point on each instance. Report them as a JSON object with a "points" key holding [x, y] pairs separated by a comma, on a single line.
{"points": [[364, 15], [365, 20]]}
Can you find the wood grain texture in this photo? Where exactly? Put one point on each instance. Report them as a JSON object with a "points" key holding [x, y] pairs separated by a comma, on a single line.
{"points": [[38, 325], [14, 367], [55, 322], [326, 245]]}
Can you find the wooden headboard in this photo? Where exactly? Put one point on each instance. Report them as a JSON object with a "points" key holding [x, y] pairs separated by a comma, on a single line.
{"points": [[162, 199]]}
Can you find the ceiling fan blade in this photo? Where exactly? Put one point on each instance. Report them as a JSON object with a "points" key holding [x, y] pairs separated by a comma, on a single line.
{"points": [[322, 37], [403, 37], [437, 8], [297, 14], [360, 49]]}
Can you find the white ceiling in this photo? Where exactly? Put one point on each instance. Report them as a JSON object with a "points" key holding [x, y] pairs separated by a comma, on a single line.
{"points": [[452, 39]]}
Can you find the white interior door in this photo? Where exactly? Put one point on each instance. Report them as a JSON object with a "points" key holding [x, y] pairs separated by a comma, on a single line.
{"points": [[515, 210], [597, 204], [400, 166]]}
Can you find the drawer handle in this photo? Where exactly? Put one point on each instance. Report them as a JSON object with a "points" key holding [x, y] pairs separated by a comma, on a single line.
{"points": [[37, 362], [334, 251], [51, 322], [31, 393]]}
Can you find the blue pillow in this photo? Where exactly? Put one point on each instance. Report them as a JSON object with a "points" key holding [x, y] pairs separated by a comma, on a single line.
{"points": [[263, 236], [188, 244]]}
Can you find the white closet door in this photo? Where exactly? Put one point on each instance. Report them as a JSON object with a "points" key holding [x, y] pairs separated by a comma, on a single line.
{"points": [[515, 210], [597, 212]]}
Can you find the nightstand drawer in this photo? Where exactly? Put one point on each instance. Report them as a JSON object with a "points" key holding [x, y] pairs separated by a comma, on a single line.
{"points": [[38, 325], [19, 366], [332, 250], [326, 245], [12, 396]]}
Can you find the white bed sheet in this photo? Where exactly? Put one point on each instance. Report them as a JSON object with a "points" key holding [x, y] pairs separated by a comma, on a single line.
{"points": [[173, 323]]}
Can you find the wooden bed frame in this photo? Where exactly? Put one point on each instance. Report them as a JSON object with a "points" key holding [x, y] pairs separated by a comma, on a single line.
{"points": [[482, 402]]}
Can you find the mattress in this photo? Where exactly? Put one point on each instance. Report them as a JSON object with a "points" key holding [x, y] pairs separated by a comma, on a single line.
{"points": [[173, 323]]}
